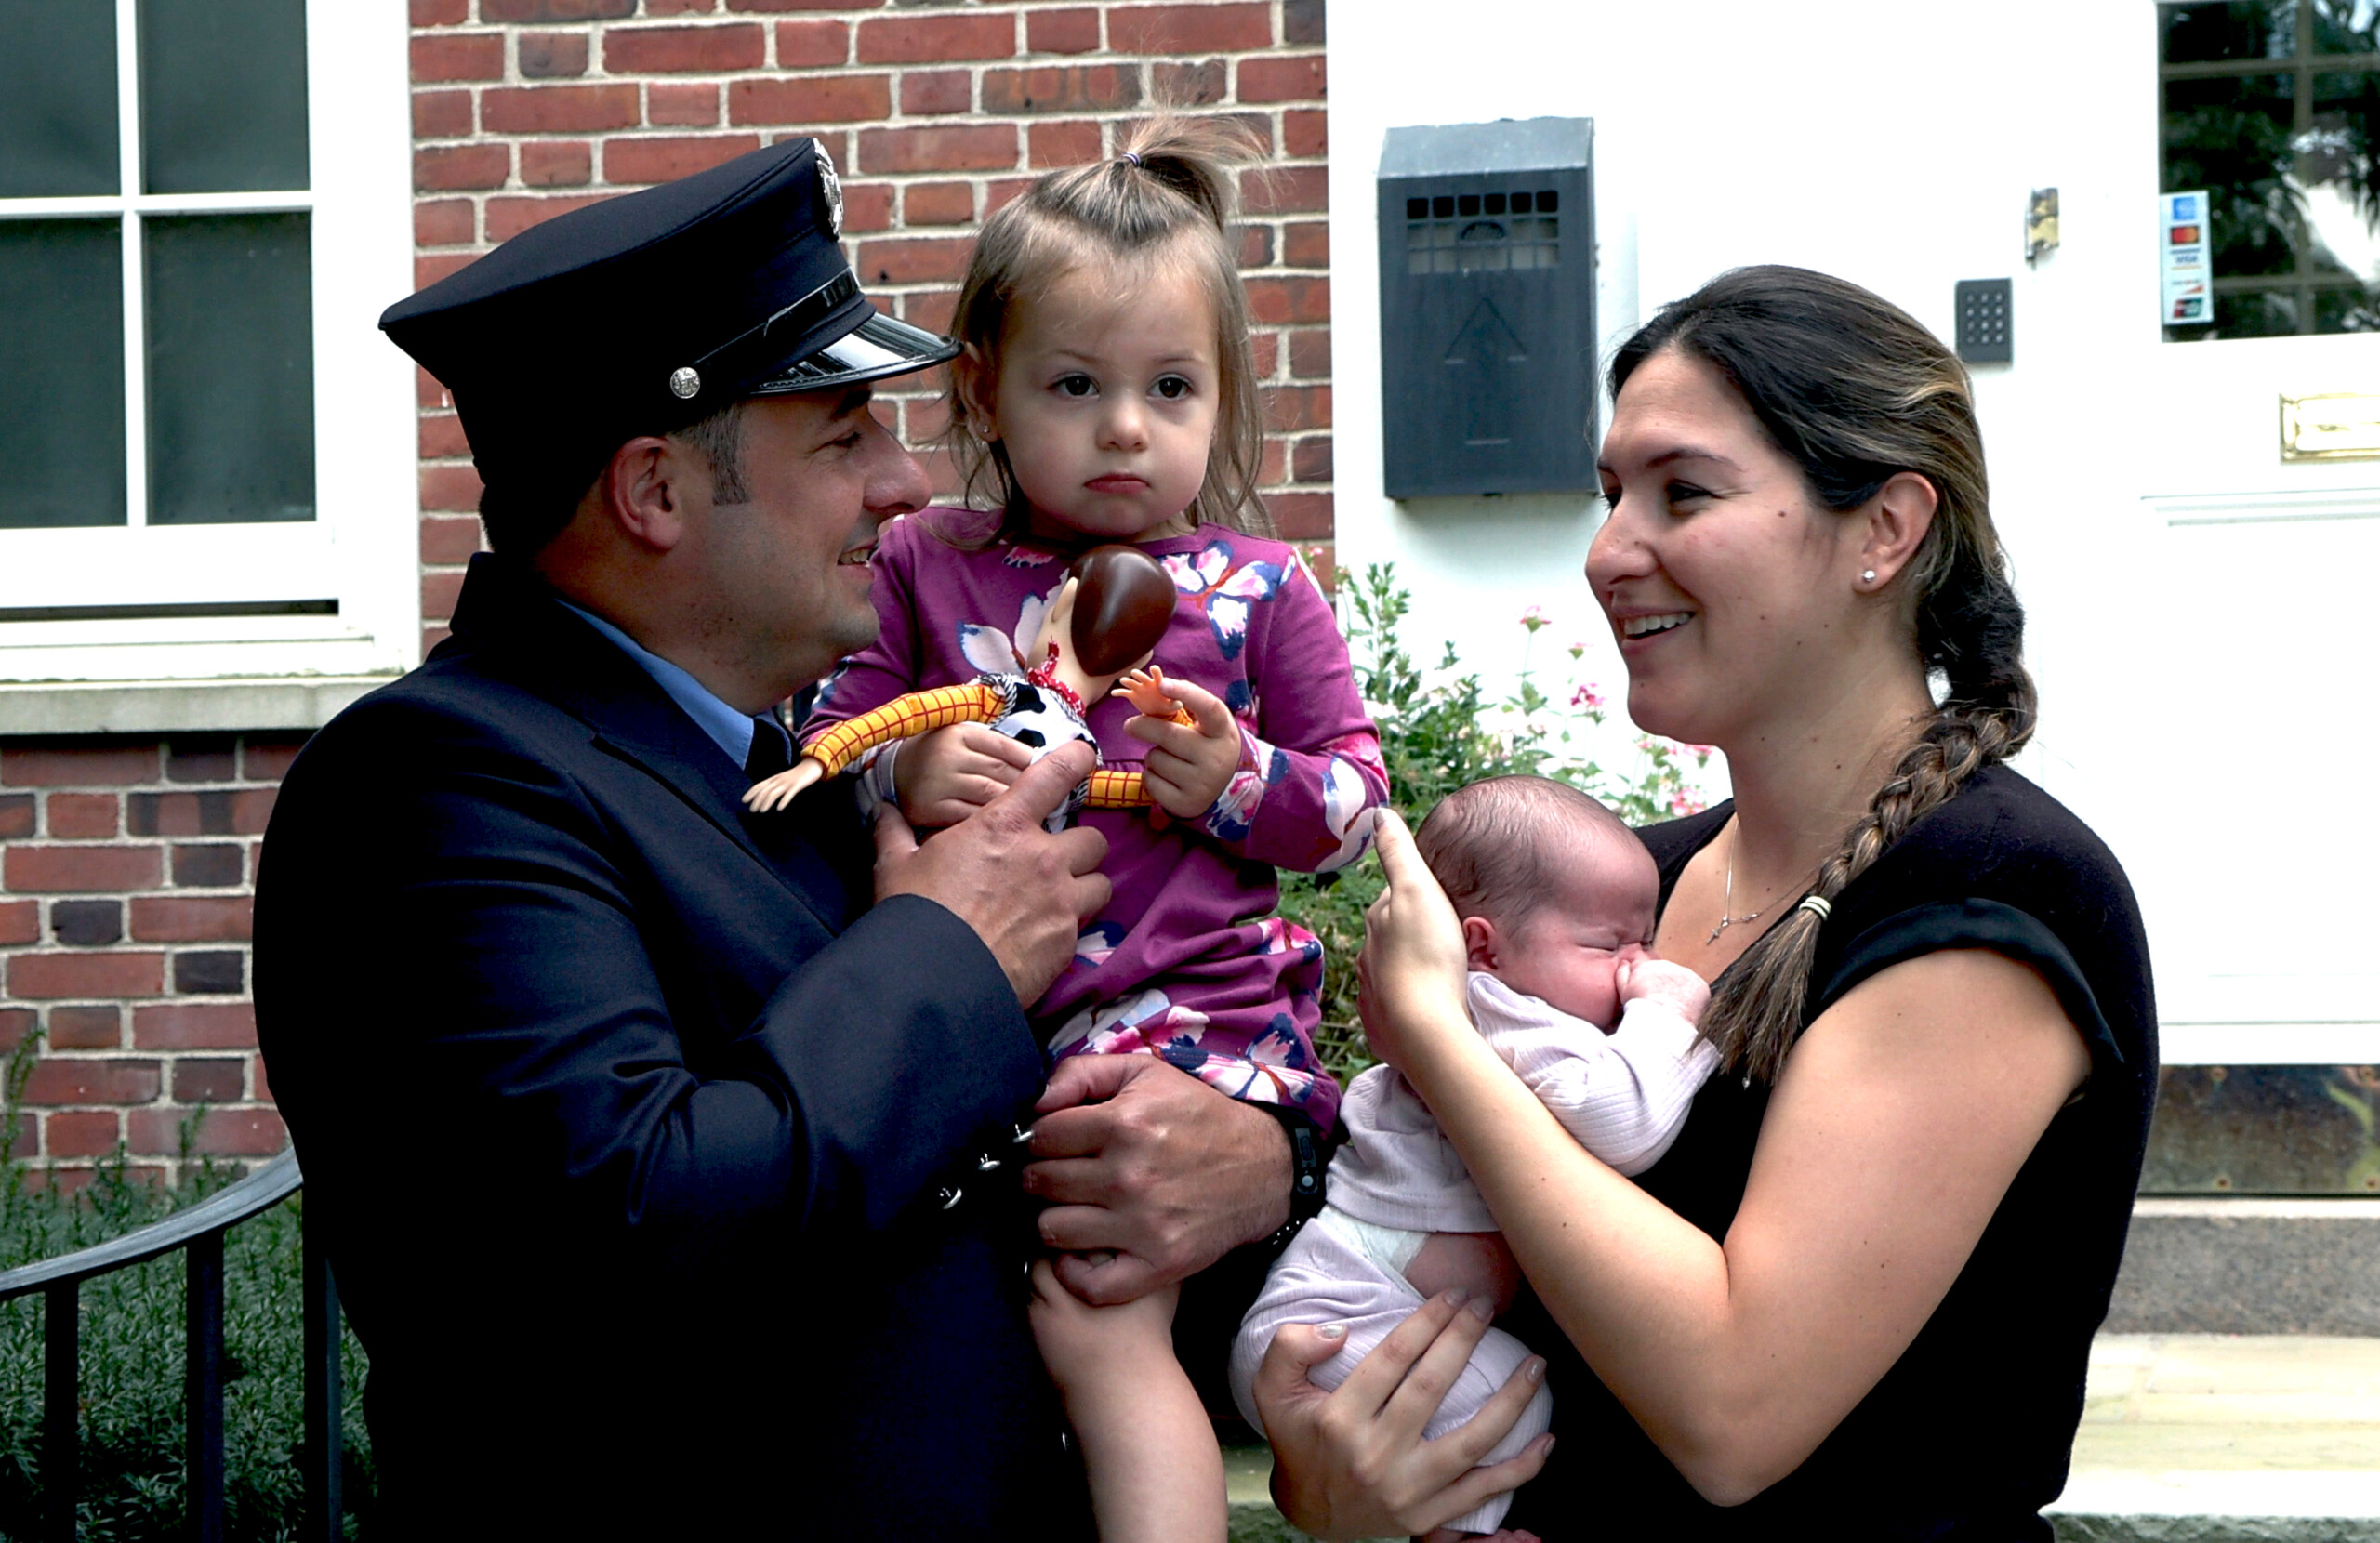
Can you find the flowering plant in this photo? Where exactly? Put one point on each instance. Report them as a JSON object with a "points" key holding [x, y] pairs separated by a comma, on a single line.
{"points": [[1439, 732]]}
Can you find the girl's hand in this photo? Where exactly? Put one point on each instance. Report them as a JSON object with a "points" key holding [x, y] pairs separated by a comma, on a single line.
{"points": [[1412, 969], [1187, 768], [1352, 1463], [947, 774]]}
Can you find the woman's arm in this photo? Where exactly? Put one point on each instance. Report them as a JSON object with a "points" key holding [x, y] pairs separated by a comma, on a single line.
{"points": [[1902, 1116]]}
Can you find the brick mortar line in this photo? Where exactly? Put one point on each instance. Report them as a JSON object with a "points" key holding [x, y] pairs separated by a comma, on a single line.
{"points": [[896, 181]]}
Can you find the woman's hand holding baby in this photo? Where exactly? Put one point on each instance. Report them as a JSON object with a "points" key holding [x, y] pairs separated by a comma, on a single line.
{"points": [[1412, 969], [1186, 769], [947, 774], [1642, 974], [1352, 1462]]}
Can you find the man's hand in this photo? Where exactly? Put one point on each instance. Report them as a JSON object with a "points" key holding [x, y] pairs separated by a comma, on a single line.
{"points": [[1151, 1175], [1187, 770], [945, 774], [1025, 891]]}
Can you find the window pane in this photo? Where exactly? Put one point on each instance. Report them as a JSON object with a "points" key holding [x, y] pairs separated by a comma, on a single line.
{"points": [[2257, 314], [2341, 176], [2347, 310], [231, 369], [2231, 135], [2202, 34], [222, 94], [61, 373], [58, 132], [2345, 27]]}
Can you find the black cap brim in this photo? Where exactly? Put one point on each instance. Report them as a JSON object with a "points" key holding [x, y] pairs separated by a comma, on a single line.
{"points": [[879, 348]]}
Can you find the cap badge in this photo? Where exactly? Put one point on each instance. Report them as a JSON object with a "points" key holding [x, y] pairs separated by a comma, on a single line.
{"points": [[685, 383], [830, 187]]}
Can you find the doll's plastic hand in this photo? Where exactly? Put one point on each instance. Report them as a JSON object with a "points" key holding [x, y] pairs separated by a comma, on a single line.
{"points": [[773, 793], [1151, 697], [1642, 975], [945, 774], [1187, 768]]}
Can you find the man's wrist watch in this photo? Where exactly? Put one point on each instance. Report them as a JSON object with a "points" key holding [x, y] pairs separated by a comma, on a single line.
{"points": [[1309, 1153]]}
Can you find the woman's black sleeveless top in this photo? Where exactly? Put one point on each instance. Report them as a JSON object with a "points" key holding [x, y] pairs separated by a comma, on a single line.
{"points": [[1967, 1436]]}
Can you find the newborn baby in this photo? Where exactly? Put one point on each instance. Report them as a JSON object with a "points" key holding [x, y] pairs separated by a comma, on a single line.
{"points": [[1556, 898]]}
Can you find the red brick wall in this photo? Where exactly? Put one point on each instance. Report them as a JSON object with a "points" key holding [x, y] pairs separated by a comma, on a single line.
{"points": [[126, 871], [936, 113], [127, 864]]}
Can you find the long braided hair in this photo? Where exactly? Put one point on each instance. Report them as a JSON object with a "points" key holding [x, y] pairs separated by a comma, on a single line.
{"points": [[1854, 390]]}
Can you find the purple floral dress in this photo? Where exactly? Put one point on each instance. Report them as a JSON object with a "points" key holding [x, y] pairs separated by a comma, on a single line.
{"points": [[1187, 962]]}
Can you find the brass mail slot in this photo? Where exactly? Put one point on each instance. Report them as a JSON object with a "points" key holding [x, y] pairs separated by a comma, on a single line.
{"points": [[2334, 426]]}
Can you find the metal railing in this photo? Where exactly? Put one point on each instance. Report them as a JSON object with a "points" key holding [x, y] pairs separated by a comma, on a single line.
{"points": [[198, 1231]]}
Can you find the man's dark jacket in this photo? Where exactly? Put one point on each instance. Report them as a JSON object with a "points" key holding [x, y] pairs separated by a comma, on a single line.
{"points": [[628, 1122]]}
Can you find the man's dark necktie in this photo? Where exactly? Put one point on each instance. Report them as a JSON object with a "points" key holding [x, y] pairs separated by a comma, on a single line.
{"points": [[771, 751]]}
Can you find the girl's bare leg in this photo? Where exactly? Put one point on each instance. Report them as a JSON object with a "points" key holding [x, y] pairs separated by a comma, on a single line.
{"points": [[1155, 1473]]}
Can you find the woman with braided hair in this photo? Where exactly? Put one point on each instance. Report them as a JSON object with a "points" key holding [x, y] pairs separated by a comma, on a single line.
{"points": [[1857, 1297]]}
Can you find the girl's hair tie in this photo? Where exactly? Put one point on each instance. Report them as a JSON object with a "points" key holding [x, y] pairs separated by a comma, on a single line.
{"points": [[1131, 157], [1816, 906]]}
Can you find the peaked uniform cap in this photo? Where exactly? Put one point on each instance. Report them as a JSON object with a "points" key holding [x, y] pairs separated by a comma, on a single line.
{"points": [[647, 313]]}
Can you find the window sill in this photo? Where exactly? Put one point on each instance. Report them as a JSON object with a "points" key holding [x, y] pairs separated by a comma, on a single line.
{"points": [[178, 706]]}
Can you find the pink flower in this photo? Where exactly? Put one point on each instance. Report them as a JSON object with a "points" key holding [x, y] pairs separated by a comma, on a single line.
{"points": [[1588, 697], [1683, 802], [1534, 617], [1578, 651]]}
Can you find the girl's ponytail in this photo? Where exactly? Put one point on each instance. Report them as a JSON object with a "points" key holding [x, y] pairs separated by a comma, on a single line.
{"points": [[1169, 195]]}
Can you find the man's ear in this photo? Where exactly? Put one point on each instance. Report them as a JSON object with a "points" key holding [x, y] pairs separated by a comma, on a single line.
{"points": [[1479, 940], [971, 383], [644, 489], [1897, 518]]}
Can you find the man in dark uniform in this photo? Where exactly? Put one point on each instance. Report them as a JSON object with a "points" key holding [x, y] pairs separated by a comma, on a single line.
{"points": [[665, 1152]]}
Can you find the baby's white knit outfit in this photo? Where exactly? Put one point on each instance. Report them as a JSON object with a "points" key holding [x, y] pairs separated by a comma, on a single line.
{"points": [[1623, 1096]]}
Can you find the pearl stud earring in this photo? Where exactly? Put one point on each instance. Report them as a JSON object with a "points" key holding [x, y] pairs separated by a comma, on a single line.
{"points": [[1868, 575]]}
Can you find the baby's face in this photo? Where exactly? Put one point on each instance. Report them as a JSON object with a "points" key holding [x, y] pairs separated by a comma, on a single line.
{"points": [[1568, 952]]}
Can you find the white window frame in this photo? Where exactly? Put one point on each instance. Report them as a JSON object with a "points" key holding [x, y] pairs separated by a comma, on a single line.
{"points": [[362, 548]]}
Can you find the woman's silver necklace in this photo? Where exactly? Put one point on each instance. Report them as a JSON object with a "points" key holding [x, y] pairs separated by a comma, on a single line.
{"points": [[1726, 905]]}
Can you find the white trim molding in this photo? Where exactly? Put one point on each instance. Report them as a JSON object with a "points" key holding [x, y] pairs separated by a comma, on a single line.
{"points": [[2259, 509], [179, 706], [2346, 1043]]}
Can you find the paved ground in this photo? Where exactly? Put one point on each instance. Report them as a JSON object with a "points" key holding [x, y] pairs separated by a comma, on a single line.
{"points": [[2224, 1425], [2186, 1438]]}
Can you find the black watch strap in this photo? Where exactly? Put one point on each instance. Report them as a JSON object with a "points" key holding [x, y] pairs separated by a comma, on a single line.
{"points": [[1309, 1155]]}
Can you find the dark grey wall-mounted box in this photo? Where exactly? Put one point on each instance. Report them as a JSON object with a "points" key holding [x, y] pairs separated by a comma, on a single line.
{"points": [[1487, 307]]}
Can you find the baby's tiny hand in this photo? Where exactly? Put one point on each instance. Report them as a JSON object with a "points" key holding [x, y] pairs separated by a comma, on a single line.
{"points": [[1664, 981]]}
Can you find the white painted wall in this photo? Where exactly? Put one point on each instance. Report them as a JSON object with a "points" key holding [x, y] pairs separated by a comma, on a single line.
{"points": [[2200, 611]]}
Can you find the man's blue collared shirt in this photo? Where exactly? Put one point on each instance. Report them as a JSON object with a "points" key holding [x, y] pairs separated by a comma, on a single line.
{"points": [[730, 728]]}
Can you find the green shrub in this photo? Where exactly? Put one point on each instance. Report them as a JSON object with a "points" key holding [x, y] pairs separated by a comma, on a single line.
{"points": [[1438, 734], [129, 1460]]}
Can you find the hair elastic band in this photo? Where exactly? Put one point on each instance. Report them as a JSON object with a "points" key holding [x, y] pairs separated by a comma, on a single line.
{"points": [[1815, 904], [1129, 156]]}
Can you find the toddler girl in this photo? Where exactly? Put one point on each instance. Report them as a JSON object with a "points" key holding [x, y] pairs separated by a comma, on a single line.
{"points": [[1107, 393], [1556, 898]]}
